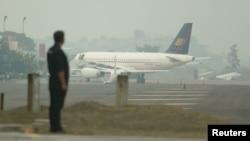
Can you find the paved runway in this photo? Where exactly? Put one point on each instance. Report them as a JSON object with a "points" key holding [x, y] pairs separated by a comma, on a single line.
{"points": [[150, 93], [215, 97], [35, 137]]}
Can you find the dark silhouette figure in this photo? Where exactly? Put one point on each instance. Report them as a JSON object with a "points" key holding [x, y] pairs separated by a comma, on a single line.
{"points": [[58, 81]]}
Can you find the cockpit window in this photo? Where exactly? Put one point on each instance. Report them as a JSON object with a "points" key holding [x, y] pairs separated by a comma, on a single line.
{"points": [[81, 57]]}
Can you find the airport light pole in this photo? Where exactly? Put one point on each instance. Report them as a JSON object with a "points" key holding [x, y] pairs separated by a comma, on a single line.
{"points": [[4, 20], [24, 18]]}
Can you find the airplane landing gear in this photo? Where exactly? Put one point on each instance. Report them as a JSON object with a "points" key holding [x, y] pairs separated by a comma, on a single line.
{"points": [[140, 78], [87, 80]]}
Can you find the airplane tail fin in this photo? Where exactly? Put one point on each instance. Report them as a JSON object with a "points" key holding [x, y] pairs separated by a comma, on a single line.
{"points": [[180, 45]]}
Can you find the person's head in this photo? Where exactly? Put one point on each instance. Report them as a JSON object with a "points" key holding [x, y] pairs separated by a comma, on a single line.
{"points": [[59, 37]]}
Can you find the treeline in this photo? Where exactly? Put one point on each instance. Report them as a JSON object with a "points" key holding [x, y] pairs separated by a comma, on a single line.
{"points": [[14, 61]]}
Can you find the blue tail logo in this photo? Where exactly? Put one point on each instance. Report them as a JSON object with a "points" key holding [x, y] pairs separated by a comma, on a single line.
{"points": [[180, 45]]}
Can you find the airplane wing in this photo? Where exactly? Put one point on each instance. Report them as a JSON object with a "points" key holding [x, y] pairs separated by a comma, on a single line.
{"points": [[229, 78], [197, 61], [202, 58], [209, 73], [224, 77], [129, 70]]}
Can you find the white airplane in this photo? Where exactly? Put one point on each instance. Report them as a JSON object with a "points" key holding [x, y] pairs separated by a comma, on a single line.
{"points": [[228, 76], [206, 75], [136, 64]]}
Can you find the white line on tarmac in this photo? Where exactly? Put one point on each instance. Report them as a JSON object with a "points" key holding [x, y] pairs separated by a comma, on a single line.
{"points": [[166, 92], [172, 95], [24, 82], [168, 99], [180, 104]]}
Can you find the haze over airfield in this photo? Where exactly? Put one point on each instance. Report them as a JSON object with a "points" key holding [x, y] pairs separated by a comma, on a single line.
{"points": [[216, 23]]}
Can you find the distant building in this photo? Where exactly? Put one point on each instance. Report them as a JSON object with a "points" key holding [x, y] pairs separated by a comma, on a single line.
{"points": [[13, 43], [42, 50]]}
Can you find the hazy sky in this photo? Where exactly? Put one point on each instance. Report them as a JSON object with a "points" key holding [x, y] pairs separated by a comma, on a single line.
{"points": [[216, 23]]}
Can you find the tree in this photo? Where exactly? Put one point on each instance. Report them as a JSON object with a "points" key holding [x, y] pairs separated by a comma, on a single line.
{"points": [[42, 65], [232, 57], [16, 61], [25, 43], [147, 48]]}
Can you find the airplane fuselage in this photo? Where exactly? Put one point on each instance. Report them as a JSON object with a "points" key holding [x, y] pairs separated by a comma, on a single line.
{"points": [[92, 64], [137, 61]]}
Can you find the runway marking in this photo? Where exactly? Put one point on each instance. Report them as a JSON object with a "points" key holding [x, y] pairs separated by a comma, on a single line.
{"points": [[172, 95], [177, 89], [180, 91], [169, 99], [70, 83], [180, 104]]}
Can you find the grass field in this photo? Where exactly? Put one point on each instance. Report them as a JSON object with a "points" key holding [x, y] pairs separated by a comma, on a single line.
{"points": [[91, 118]]}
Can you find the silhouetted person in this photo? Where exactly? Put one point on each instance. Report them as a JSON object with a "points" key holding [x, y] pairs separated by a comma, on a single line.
{"points": [[58, 81]]}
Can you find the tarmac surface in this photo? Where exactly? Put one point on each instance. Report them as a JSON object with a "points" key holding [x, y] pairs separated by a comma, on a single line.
{"points": [[225, 99], [35, 137]]}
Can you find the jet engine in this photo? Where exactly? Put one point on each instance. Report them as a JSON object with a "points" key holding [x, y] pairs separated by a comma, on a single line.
{"points": [[91, 73]]}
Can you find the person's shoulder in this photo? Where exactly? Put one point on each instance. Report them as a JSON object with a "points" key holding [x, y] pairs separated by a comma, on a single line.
{"points": [[50, 50], [54, 49]]}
